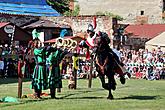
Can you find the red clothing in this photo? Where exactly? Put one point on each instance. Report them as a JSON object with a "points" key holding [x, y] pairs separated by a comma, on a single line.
{"points": [[139, 75]]}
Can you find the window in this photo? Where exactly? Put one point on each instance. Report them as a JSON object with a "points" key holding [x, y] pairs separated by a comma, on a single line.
{"points": [[141, 12]]}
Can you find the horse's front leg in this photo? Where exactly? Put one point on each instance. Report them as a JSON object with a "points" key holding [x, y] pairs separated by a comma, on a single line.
{"points": [[102, 79], [112, 86]]}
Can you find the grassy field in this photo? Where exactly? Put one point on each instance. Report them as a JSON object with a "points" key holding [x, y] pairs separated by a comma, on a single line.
{"points": [[134, 95]]}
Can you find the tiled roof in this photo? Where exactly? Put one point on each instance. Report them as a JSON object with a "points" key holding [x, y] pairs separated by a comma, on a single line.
{"points": [[145, 30], [27, 7], [18, 31], [46, 23]]}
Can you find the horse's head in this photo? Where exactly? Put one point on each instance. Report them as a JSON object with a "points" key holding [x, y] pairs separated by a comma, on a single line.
{"points": [[101, 41]]}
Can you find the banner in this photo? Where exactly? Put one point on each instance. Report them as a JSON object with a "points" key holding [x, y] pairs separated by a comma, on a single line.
{"points": [[75, 62]]}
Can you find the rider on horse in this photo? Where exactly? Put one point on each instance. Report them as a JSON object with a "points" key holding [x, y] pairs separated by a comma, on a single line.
{"points": [[92, 42]]}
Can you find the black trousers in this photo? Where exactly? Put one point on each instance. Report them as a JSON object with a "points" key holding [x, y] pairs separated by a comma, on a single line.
{"points": [[52, 92]]}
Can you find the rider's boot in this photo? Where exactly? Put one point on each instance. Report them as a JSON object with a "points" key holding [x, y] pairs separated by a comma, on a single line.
{"points": [[122, 79]]}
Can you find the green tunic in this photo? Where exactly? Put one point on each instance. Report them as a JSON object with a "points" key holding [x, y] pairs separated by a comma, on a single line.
{"points": [[39, 78], [54, 76]]}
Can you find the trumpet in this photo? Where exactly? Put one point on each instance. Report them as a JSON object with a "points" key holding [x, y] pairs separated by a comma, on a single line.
{"points": [[65, 43], [59, 41], [74, 44]]}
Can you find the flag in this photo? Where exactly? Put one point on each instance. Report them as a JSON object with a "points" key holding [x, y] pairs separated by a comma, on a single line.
{"points": [[63, 33], [35, 34]]}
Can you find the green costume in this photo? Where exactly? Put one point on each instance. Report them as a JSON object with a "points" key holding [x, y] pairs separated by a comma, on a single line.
{"points": [[54, 77], [39, 78]]}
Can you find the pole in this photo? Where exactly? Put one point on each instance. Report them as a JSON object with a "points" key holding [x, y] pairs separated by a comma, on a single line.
{"points": [[75, 68], [19, 87], [90, 74], [21, 71], [12, 37]]}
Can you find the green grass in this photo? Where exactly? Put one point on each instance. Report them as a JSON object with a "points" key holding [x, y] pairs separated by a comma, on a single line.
{"points": [[134, 95]]}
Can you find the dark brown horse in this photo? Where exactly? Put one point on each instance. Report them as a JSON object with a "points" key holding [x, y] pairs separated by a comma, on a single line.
{"points": [[105, 64]]}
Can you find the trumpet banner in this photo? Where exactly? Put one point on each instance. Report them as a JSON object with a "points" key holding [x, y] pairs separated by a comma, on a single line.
{"points": [[75, 62]]}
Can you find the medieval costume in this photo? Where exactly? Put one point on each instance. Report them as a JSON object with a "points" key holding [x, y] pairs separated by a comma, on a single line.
{"points": [[39, 77], [54, 76]]}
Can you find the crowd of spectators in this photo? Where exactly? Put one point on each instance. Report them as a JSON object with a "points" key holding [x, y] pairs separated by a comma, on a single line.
{"points": [[9, 61], [144, 64]]}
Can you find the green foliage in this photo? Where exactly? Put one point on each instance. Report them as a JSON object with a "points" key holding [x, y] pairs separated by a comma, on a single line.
{"points": [[109, 14], [60, 5], [136, 94], [75, 12]]}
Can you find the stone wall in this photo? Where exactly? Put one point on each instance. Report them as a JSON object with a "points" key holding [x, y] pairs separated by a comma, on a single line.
{"points": [[80, 24], [128, 9]]}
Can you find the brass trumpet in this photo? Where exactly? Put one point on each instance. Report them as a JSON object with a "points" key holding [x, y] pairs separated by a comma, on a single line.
{"points": [[59, 42], [74, 44], [65, 43]]}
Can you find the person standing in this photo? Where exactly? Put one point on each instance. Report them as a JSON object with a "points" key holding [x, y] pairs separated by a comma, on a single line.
{"points": [[64, 67], [54, 76], [1, 67], [32, 66], [39, 77]]}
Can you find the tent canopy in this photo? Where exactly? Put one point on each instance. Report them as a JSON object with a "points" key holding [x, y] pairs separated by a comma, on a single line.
{"points": [[158, 40], [27, 7]]}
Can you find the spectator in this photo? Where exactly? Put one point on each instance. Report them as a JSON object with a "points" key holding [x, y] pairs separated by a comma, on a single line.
{"points": [[1, 67]]}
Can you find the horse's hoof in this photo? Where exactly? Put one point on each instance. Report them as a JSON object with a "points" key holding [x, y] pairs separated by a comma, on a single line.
{"points": [[122, 79]]}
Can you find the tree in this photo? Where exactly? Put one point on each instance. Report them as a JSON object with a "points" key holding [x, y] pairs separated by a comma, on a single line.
{"points": [[99, 13], [60, 5], [74, 12]]}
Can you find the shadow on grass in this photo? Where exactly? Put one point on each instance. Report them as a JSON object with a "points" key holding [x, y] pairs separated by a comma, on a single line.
{"points": [[86, 98], [79, 92], [11, 80], [82, 92], [139, 97]]}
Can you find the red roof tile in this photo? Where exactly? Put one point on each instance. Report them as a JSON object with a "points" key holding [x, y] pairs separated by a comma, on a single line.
{"points": [[66, 37], [145, 30]]}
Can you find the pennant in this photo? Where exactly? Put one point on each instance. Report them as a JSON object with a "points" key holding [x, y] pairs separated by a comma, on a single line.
{"points": [[63, 33]]}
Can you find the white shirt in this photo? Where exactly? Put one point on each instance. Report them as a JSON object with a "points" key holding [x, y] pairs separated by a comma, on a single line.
{"points": [[117, 53]]}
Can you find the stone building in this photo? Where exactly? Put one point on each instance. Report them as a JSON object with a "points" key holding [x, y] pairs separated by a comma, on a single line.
{"points": [[80, 23], [133, 11]]}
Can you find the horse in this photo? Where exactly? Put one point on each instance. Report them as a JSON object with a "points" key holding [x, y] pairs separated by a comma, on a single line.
{"points": [[105, 64], [106, 61]]}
